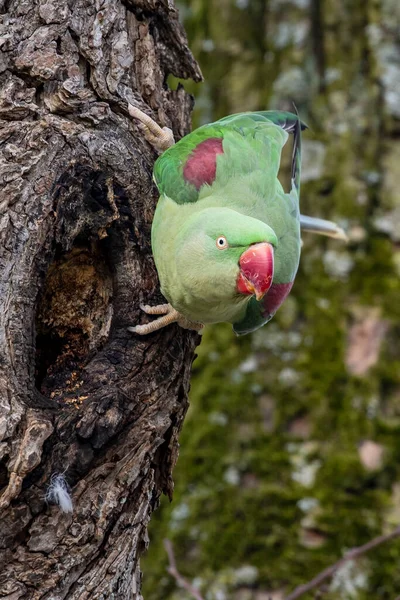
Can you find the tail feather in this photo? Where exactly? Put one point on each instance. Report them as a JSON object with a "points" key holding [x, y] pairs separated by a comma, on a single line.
{"points": [[322, 227], [291, 123]]}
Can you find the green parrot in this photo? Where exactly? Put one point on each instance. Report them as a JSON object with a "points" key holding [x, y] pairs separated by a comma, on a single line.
{"points": [[225, 235]]}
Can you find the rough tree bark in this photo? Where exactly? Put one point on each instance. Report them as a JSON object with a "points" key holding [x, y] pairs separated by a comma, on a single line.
{"points": [[79, 394]]}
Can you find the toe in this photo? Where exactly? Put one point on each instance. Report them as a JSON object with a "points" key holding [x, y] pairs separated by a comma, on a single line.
{"points": [[139, 329]]}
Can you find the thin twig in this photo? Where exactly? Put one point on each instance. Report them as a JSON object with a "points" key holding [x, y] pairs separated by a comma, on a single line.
{"points": [[172, 570], [351, 555]]}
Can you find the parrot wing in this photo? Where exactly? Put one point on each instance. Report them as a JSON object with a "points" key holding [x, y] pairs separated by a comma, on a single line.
{"points": [[186, 168]]}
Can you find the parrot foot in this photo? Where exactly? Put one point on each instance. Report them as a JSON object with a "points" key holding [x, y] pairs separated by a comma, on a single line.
{"points": [[170, 315], [161, 138]]}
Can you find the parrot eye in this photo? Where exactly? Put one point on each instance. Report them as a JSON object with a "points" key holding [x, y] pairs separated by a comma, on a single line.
{"points": [[222, 242]]}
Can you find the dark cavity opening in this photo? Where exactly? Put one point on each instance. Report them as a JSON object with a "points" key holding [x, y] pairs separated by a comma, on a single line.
{"points": [[73, 318]]}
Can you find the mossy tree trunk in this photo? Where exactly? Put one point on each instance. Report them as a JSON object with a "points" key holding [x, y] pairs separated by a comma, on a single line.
{"points": [[79, 394], [290, 454]]}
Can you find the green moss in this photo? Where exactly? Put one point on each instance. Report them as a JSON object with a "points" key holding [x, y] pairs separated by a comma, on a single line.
{"points": [[270, 472]]}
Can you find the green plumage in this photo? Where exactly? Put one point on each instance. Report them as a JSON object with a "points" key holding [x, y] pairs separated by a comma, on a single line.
{"points": [[242, 187]]}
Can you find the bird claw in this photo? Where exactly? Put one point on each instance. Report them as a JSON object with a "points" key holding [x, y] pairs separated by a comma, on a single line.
{"points": [[169, 315], [139, 329], [160, 309], [161, 138]]}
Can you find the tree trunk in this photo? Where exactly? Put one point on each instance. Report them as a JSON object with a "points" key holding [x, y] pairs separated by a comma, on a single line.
{"points": [[79, 394]]}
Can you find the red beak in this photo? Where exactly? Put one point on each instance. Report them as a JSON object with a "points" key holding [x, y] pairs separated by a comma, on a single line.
{"points": [[256, 270]]}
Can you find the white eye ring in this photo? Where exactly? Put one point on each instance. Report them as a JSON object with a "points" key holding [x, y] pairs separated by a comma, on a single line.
{"points": [[222, 242]]}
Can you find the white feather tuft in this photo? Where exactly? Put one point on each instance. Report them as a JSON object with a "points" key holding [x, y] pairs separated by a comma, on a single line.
{"points": [[58, 493]]}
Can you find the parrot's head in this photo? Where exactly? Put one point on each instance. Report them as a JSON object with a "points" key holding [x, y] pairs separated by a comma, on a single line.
{"points": [[224, 255]]}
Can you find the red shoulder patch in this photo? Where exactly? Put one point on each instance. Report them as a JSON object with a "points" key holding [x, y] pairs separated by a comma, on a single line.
{"points": [[201, 166], [277, 293]]}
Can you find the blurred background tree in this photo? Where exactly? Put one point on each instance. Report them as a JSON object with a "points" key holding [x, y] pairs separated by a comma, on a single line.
{"points": [[290, 454]]}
